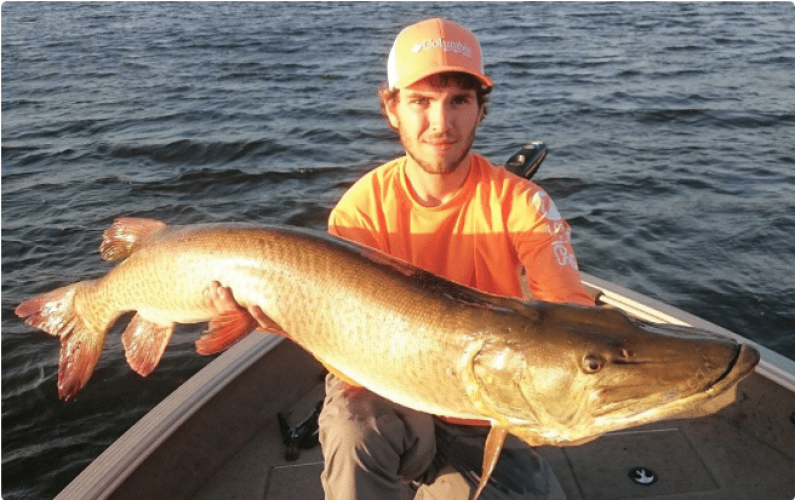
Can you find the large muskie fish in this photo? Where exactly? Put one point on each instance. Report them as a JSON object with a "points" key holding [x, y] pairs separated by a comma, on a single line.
{"points": [[547, 373]]}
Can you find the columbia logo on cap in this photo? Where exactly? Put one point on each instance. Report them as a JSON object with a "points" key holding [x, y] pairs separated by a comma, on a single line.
{"points": [[446, 45]]}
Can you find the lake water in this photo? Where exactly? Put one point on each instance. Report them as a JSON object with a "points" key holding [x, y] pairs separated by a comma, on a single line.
{"points": [[671, 129]]}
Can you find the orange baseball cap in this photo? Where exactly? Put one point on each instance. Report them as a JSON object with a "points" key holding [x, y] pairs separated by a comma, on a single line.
{"points": [[434, 46]]}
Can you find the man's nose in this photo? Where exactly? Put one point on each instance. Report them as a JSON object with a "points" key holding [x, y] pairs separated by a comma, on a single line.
{"points": [[439, 117]]}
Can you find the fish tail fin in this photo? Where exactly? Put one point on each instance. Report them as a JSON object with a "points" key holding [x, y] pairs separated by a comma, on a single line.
{"points": [[125, 235], [144, 343], [81, 343]]}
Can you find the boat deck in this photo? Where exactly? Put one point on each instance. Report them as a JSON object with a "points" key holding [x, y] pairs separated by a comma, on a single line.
{"points": [[716, 457], [260, 471]]}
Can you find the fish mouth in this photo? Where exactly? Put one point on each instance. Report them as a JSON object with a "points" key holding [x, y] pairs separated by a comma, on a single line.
{"points": [[724, 390], [732, 364], [743, 363]]}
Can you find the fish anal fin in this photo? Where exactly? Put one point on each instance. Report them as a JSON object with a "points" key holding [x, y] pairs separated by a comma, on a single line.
{"points": [[121, 239], [491, 454], [228, 328], [144, 343], [81, 343]]}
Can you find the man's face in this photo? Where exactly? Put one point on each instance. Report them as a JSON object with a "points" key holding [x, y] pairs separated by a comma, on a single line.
{"points": [[436, 121]]}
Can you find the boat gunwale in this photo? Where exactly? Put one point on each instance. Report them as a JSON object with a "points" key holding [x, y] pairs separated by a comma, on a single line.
{"points": [[114, 465]]}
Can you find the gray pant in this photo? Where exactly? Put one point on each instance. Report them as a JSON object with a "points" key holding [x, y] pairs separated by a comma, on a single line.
{"points": [[373, 449]]}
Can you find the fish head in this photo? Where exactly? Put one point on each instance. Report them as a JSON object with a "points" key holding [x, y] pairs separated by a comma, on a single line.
{"points": [[571, 374]]}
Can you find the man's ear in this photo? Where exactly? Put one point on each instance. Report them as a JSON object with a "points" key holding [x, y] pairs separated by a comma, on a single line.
{"points": [[390, 108], [481, 114]]}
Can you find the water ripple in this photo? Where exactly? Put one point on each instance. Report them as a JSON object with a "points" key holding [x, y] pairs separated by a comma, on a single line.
{"points": [[670, 133]]}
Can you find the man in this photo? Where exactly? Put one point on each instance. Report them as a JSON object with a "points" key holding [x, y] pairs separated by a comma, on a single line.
{"points": [[448, 210]]}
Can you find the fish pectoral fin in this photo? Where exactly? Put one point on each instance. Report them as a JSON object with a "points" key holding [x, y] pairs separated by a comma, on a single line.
{"points": [[124, 236], [491, 453], [144, 343], [226, 329]]}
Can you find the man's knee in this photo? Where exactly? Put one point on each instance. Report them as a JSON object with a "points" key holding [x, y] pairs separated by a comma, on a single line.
{"points": [[375, 434]]}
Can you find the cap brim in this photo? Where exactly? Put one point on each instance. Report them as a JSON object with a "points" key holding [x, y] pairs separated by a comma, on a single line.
{"points": [[414, 77]]}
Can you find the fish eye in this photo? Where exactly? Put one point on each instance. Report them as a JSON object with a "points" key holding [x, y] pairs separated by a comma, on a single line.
{"points": [[592, 363]]}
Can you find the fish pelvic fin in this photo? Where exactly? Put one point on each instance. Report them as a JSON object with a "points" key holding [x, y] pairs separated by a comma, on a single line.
{"points": [[144, 343], [225, 330], [491, 453], [340, 375], [121, 239], [81, 343]]}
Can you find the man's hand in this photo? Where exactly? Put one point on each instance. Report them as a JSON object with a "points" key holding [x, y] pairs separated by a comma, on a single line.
{"points": [[221, 300]]}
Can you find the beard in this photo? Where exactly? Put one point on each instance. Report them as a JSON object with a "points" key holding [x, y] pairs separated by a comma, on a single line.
{"points": [[442, 165]]}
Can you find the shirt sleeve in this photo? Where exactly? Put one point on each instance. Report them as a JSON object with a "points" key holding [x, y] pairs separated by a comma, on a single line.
{"points": [[542, 239], [352, 225]]}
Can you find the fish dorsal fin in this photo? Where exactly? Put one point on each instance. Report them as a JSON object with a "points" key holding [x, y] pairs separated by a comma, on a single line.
{"points": [[144, 344], [124, 236], [491, 453]]}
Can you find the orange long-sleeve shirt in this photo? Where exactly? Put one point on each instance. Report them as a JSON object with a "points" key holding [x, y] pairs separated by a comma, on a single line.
{"points": [[495, 224]]}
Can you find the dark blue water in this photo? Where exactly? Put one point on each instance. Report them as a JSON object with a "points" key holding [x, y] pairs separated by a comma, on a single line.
{"points": [[671, 129]]}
